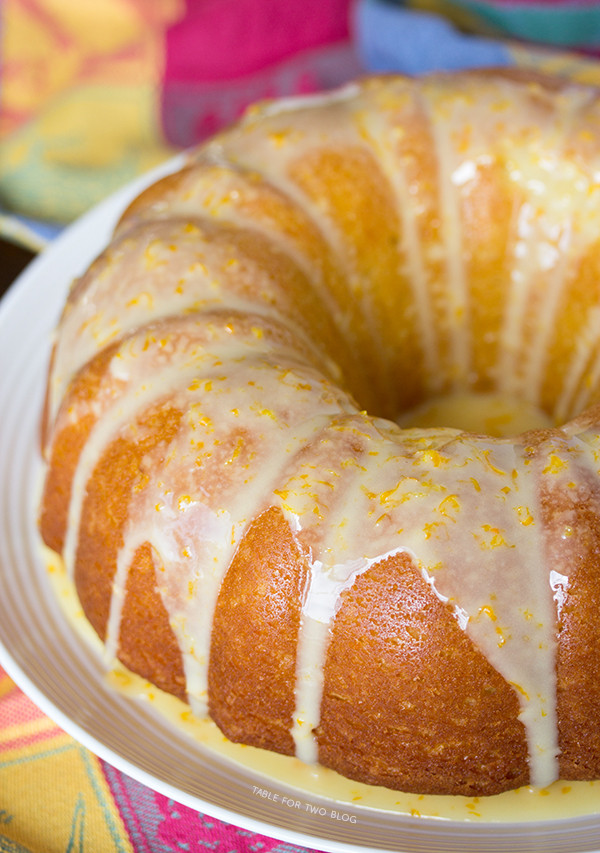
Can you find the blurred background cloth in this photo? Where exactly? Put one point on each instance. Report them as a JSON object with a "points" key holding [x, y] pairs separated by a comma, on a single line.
{"points": [[94, 93], [427, 35]]}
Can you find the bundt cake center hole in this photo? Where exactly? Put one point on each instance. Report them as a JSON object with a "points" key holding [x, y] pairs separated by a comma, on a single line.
{"points": [[494, 414]]}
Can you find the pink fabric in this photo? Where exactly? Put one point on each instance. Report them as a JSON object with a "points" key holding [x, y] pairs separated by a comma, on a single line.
{"points": [[223, 55], [22, 724], [225, 39], [158, 824], [183, 828]]}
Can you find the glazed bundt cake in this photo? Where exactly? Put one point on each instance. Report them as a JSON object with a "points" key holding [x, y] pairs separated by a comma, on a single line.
{"points": [[250, 517]]}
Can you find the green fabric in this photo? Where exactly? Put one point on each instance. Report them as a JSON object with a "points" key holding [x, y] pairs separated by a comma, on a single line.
{"points": [[560, 25]]}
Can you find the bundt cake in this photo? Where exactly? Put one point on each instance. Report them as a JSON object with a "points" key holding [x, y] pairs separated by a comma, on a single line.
{"points": [[252, 522]]}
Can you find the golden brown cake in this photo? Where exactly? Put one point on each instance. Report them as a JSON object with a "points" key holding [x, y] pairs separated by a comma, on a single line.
{"points": [[249, 522]]}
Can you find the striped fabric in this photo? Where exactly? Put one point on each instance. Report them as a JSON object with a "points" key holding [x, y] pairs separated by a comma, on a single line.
{"points": [[57, 797], [93, 94]]}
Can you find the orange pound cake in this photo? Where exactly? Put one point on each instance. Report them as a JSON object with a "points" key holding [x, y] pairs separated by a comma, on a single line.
{"points": [[240, 478]]}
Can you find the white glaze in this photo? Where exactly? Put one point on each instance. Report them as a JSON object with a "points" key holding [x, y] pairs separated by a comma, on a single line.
{"points": [[524, 805]]}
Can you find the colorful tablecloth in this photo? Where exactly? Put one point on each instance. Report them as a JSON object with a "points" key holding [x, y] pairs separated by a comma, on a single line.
{"points": [[57, 797], [94, 93]]}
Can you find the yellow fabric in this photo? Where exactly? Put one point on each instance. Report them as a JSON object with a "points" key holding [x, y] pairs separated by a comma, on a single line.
{"points": [[53, 794], [79, 100]]}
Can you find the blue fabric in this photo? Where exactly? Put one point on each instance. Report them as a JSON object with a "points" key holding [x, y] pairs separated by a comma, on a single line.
{"points": [[393, 38]]}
